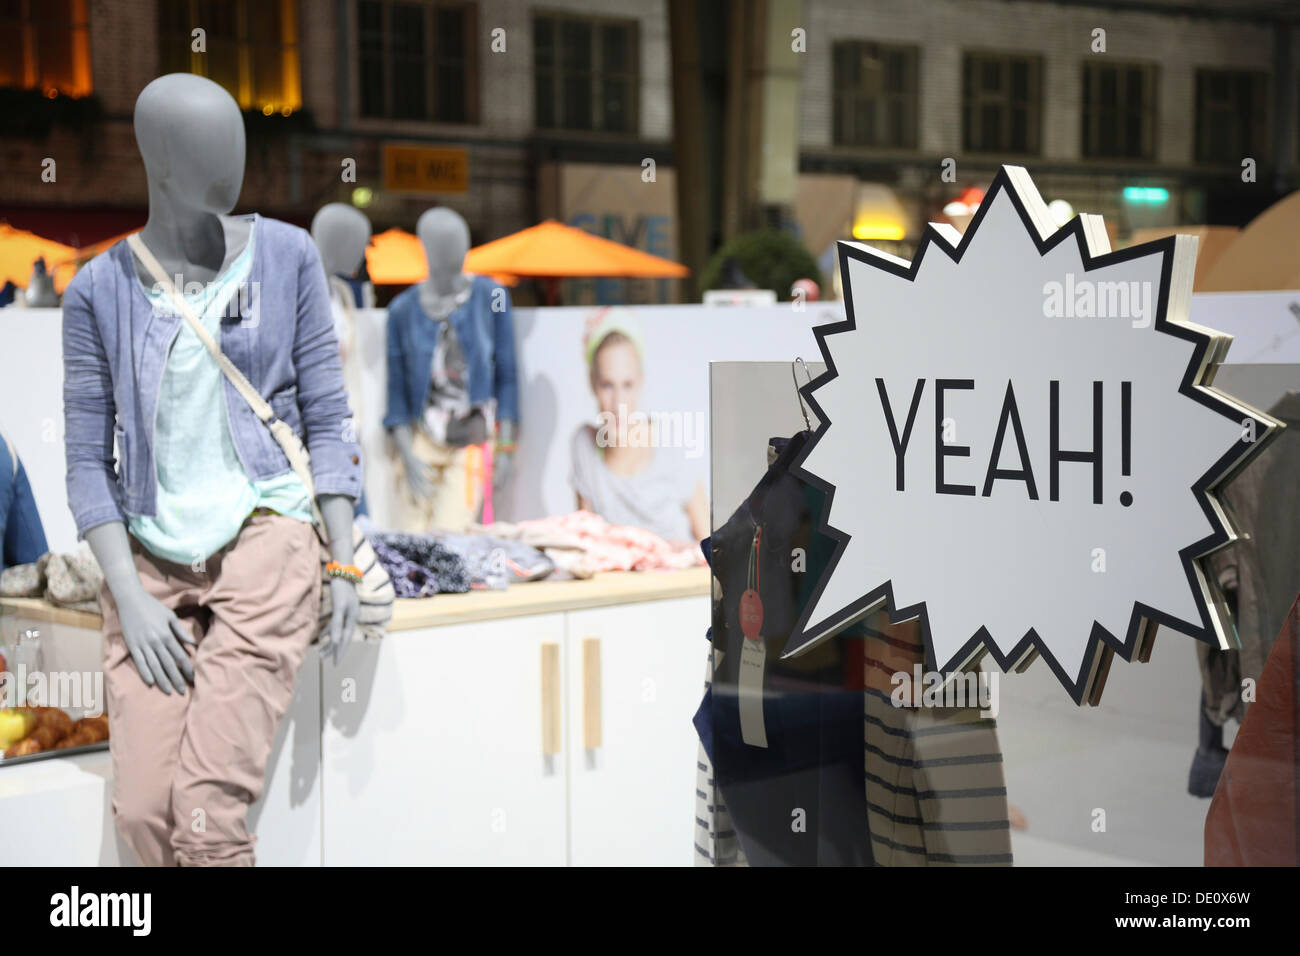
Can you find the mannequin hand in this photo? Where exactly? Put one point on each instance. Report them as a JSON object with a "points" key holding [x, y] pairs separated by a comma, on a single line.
{"points": [[503, 459], [153, 635], [502, 465], [343, 621], [419, 477], [336, 511]]}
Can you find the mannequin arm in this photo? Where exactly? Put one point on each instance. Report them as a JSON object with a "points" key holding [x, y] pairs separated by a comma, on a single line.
{"points": [[419, 476], [337, 513], [153, 634], [503, 455]]}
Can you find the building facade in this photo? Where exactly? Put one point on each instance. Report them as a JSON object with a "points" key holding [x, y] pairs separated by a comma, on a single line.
{"points": [[511, 111]]}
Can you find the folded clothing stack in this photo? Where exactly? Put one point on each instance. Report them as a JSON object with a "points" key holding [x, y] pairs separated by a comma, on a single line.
{"points": [[583, 544], [422, 565], [68, 580], [418, 565]]}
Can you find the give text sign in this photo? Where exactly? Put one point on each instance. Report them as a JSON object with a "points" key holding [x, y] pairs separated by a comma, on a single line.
{"points": [[1019, 445]]}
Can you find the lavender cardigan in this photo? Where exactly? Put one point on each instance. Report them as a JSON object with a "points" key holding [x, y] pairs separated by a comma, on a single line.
{"points": [[279, 333]]}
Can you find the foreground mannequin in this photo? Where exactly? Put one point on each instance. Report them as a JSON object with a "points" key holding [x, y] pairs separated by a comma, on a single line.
{"points": [[211, 565], [451, 382]]}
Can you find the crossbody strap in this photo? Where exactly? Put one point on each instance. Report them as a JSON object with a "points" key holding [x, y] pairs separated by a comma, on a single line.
{"points": [[293, 448]]}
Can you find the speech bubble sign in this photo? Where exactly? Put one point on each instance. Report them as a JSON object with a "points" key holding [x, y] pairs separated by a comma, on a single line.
{"points": [[1019, 444]]}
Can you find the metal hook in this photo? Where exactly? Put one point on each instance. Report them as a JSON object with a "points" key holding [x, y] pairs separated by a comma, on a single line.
{"points": [[803, 409]]}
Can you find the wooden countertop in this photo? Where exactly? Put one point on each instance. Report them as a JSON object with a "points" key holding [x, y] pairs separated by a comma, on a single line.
{"points": [[518, 600]]}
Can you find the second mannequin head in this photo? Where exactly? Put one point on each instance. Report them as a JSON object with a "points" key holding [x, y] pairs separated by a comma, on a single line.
{"points": [[445, 237]]}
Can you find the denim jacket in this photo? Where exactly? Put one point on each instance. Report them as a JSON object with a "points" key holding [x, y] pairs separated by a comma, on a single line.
{"points": [[279, 332], [486, 337]]}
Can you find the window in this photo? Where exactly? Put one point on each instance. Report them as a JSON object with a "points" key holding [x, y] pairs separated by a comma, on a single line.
{"points": [[250, 47], [45, 45], [1231, 116], [1119, 111], [418, 60], [586, 73], [875, 89], [1002, 95]]}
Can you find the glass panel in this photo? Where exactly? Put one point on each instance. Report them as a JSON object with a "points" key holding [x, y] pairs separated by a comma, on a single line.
{"points": [[576, 93], [990, 76], [370, 22], [989, 136], [54, 44], [615, 49], [221, 61], [575, 45], [266, 53], [617, 101], [410, 99], [543, 42]]}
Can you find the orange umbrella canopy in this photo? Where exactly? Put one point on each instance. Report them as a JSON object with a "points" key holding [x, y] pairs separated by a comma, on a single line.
{"points": [[396, 257], [19, 250], [552, 249]]}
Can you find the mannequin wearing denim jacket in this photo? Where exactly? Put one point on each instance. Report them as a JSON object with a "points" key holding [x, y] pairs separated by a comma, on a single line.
{"points": [[436, 484]]}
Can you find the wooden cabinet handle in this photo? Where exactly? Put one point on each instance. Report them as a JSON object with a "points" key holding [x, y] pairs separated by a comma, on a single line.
{"points": [[591, 723], [551, 715]]}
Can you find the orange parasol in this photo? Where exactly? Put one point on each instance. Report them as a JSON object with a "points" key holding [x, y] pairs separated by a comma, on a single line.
{"points": [[554, 250], [19, 250], [396, 257]]}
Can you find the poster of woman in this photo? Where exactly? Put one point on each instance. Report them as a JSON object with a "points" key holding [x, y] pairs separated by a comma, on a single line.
{"points": [[628, 467]]}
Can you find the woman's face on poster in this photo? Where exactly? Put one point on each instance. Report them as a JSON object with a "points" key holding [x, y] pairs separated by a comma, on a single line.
{"points": [[616, 379]]}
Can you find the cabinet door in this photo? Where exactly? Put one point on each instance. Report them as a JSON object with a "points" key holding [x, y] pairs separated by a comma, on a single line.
{"points": [[635, 680], [434, 750]]}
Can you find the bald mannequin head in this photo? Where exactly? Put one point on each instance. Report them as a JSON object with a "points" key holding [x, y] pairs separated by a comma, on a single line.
{"points": [[191, 136], [445, 237], [341, 233]]}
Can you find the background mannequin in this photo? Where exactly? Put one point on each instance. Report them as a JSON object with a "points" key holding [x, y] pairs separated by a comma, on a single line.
{"points": [[342, 233], [447, 290], [191, 137]]}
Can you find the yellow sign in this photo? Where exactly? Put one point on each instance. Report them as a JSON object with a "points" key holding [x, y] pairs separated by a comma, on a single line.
{"points": [[425, 169]]}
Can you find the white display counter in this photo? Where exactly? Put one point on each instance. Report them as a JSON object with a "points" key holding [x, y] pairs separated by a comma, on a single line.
{"points": [[547, 724]]}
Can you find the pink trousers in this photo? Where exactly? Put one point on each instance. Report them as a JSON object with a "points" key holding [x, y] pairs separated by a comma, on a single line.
{"points": [[187, 767]]}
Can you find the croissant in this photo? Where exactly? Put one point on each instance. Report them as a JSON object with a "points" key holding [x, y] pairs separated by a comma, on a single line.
{"points": [[94, 729], [25, 747], [55, 719]]}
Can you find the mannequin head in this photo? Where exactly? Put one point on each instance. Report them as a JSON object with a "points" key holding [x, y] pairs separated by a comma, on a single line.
{"points": [[445, 237], [341, 233], [191, 136]]}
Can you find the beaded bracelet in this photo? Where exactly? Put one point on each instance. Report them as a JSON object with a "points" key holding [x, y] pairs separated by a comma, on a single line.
{"points": [[348, 571]]}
